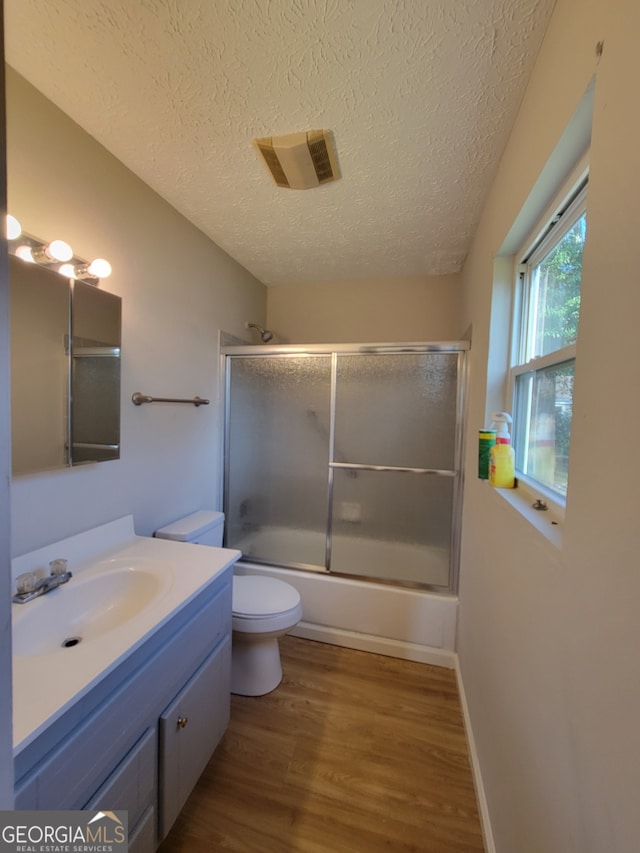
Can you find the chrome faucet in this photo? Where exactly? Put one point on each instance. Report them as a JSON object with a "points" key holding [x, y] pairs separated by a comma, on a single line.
{"points": [[30, 586]]}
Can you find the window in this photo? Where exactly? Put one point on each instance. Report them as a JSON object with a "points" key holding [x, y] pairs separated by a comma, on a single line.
{"points": [[546, 330]]}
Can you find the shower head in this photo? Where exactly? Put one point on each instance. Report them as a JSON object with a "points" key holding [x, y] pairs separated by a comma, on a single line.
{"points": [[265, 334]]}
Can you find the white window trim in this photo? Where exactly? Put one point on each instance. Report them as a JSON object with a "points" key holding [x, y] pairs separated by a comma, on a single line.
{"points": [[542, 237], [548, 522]]}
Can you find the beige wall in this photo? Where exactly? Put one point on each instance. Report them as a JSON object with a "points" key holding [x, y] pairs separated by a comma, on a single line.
{"points": [[6, 735], [402, 309], [548, 637], [178, 289]]}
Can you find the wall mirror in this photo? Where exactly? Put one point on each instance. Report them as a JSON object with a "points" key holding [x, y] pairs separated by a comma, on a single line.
{"points": [[65, 370]]}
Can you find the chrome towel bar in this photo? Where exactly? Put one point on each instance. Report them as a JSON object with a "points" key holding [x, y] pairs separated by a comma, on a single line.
{"points": [[138, 399]]}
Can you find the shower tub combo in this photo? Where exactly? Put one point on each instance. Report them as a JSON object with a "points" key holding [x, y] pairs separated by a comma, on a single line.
{"points": [[343, 477]]}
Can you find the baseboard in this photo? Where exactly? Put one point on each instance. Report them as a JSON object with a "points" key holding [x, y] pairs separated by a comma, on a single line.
{"points": [[483, 809], [376, 645]]}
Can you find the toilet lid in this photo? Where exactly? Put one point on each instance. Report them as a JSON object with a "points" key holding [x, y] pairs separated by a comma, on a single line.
{"points": [[255, 595]]}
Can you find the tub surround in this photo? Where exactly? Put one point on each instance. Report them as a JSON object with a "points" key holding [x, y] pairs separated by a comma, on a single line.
{"points": [[48, 682]]}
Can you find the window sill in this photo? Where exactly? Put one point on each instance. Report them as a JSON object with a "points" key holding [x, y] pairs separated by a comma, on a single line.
{"points": [[548, 522]]}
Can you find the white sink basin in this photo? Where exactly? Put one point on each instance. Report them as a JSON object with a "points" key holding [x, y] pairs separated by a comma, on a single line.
{"points": [[87, 606], [123, 590]]}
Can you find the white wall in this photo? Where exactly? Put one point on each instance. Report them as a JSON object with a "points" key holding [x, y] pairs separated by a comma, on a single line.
{"points": [[548, 637], [178, 290], [397, 309]]}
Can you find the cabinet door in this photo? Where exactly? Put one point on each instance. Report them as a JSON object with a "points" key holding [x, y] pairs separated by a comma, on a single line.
{"points": [[190, 729], [132, 785], [142, 839]]}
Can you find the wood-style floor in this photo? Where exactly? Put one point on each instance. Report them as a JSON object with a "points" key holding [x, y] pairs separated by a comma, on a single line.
{"points": [[352, 753]]}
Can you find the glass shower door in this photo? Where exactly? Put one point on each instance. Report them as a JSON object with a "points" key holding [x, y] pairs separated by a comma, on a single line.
{"points": [[277, 456], [347, 459], [395, 466]]}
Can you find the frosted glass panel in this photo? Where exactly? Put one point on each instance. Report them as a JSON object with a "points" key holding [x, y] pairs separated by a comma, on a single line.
{"points": [[392, 525], [397, 409], [278, 454]]}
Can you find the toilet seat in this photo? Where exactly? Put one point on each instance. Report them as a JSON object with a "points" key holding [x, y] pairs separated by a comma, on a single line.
{"points": [[264, 605], [281, 614], [278, 624], [258, 597]]}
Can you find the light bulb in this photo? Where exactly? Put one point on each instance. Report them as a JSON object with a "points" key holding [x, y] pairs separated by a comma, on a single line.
{"points": [[58, 250], [67, 270], [25, 254], [14, 229], [97, 269], [52, 252], [100, 268]]}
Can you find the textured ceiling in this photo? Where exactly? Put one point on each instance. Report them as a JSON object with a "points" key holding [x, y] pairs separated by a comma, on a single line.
{"points": [[419, 94]]}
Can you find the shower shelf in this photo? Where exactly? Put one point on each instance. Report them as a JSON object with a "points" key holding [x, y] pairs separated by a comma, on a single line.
{"points": [[138, 399]]}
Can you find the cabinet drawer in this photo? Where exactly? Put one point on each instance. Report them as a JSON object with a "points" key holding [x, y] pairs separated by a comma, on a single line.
{"points": [[133, 784], [190, 729]]}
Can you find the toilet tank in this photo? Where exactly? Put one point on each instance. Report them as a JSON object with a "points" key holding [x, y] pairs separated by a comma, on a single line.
{"points": [[205, 527]]}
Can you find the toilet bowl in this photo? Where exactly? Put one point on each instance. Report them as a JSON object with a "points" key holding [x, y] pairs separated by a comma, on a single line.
{"points": [[263, 610]]}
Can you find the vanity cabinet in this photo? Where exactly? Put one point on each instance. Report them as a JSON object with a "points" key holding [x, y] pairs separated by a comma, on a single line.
{"points": [[140, 738]]}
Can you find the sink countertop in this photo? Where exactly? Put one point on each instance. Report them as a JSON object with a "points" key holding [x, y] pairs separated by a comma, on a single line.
{"points": [[47, 684]]}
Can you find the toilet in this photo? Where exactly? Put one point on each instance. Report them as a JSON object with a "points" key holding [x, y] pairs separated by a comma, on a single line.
{"points": [[264, 609]]}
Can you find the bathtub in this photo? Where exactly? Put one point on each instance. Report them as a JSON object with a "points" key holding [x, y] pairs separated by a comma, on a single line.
{"points": [[397, 621]]}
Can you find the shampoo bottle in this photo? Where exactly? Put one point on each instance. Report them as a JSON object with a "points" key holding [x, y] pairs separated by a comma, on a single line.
{"points": [[501, 457]]}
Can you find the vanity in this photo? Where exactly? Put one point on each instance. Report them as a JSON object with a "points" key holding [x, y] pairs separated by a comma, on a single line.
{"points": [[122, 676]]}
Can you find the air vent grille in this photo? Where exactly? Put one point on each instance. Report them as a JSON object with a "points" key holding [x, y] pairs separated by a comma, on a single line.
{"points": [[300, 160], [320, 155], [271, 159]]}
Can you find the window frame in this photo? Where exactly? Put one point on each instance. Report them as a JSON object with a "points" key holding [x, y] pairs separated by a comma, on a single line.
{"points": [[570, 204]]}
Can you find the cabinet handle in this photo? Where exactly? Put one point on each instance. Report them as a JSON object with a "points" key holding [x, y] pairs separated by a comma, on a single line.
{"points": [[182, 722]]}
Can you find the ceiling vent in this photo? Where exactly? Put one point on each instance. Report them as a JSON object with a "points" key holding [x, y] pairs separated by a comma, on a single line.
{"points": [[301, 161]]}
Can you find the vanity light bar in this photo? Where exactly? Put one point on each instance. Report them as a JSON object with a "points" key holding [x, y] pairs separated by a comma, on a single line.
{"points": [[36, 251]]}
